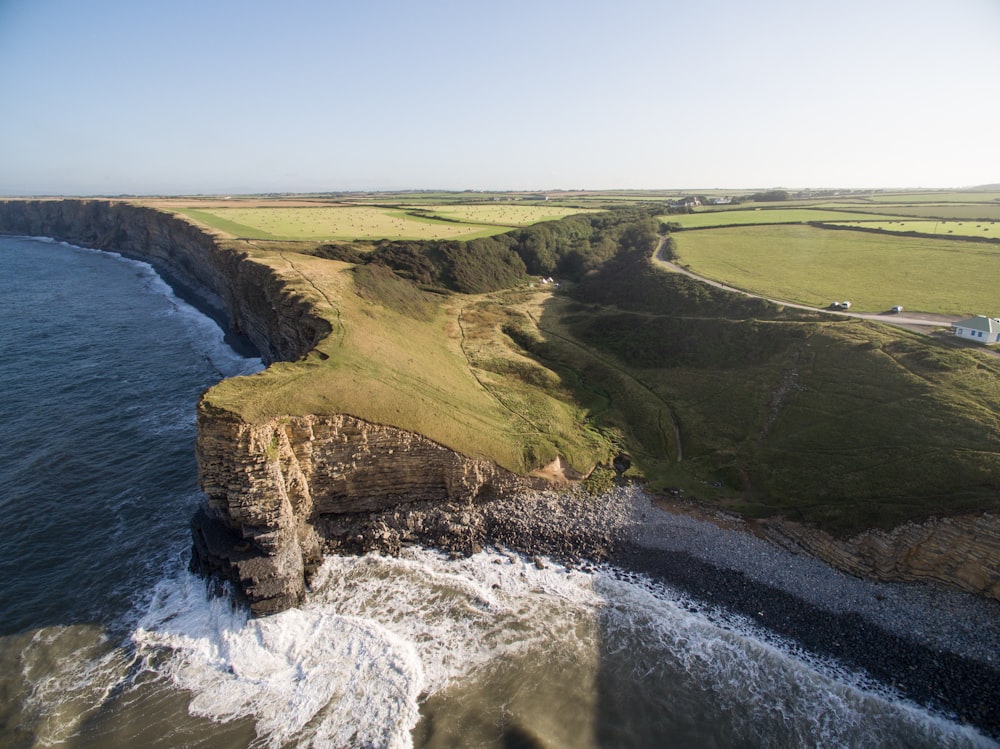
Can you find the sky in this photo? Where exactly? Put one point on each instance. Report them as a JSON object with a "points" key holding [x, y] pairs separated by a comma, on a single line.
{"points": [[110, 97]]}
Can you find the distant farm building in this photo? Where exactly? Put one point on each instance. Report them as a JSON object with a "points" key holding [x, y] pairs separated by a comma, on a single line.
{"points": [[981, 329]]}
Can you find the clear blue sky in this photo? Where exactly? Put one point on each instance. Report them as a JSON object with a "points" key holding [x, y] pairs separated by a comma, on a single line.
{"points": [[145, 96]]}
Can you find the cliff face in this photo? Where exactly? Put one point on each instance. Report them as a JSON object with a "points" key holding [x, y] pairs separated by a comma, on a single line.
{"points": [[274, 482], [247, 295], [273, 486], [962, 551]]}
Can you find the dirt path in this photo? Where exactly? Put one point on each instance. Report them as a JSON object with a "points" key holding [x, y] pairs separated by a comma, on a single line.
{"points": [[912, 320], [924, 323]]}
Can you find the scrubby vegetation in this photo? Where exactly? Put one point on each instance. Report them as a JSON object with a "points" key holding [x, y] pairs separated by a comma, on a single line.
{"points": [[846, 423], [567, 249]]}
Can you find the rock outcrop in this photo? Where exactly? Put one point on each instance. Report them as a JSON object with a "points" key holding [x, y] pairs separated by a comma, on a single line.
{"points": [[274, 483], [961, 551], [281, 491]]}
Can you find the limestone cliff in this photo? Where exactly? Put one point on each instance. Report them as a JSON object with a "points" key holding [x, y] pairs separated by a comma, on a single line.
{"points": [[246, 295], [274, 482], [961, 551]]}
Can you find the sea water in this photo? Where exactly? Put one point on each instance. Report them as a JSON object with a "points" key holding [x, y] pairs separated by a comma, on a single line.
{"points": [[106, 640]]}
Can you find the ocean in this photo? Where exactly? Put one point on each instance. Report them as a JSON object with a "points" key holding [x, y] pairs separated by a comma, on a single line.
{"points": [[106, 639]]}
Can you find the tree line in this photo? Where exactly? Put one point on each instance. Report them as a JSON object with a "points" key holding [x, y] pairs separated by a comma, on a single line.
{"points": [[567, 249]]}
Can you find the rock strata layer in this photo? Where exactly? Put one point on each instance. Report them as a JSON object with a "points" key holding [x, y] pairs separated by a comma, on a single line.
{"points": [[247, 296], [282, 492], [277, 487], [961, 551]]}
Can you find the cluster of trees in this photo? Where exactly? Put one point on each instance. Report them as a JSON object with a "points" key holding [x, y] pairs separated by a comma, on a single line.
{"points": [[630, 282], [568, 249], [572, 247], [770, 196], [468, 267]]}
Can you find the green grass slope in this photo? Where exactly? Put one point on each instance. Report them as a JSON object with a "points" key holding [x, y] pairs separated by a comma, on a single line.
{"points": [[423, 362], [847, 424]]}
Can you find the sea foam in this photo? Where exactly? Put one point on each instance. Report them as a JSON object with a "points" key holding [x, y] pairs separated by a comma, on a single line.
{"points": [[380, 636]]}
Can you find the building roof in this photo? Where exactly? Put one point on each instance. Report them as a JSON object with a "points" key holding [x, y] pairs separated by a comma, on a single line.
{"points": [[979, 322]]}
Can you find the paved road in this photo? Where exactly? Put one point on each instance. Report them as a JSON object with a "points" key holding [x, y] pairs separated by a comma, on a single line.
{"points": [[911, 321]]}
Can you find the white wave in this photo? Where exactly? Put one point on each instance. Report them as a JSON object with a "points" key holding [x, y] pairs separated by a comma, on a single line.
{"points": [[380, 635], [307, 675], [460, 615], [769, 690], [348, 668], [207, 338]]}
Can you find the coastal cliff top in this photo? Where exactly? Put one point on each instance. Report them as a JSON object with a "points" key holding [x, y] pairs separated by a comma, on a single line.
{"points": [[427, 363]]}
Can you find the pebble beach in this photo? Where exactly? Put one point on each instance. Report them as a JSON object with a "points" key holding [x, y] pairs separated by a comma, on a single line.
{"points": [[932, 645]]}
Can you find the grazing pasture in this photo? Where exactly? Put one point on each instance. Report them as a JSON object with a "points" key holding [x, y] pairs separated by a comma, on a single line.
{"points": [[934, 197], [812, 265], [943, 211], [507, 214], [331, 223], [737, 217], [978, 229]]}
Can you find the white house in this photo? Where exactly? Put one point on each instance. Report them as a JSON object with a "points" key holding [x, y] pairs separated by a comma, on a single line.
{"points": [[981, 329]]}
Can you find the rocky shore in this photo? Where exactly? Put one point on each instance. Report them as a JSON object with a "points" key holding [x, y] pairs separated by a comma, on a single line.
{"points": [[933, 645]]}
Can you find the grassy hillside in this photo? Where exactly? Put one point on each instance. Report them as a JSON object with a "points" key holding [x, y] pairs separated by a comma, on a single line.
{"points": [[846, 424], [430, 364], [738, 401]]}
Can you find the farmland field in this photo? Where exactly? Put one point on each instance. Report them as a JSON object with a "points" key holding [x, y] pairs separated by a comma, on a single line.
{"points": [[328, 223], [979, 229], [813, 266], [734, 217], [935, 197], [501, 214], [956, 211]]}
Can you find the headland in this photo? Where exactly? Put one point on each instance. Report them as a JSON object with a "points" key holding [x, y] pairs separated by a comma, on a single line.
{"points": [[348, 421]]}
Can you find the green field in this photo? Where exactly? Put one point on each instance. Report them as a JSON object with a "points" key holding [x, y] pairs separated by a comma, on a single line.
{"points": [[934, 197], [755, 216], [943, 211], [501, 213], [332, 223], [976, 229], [813, 266]]}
